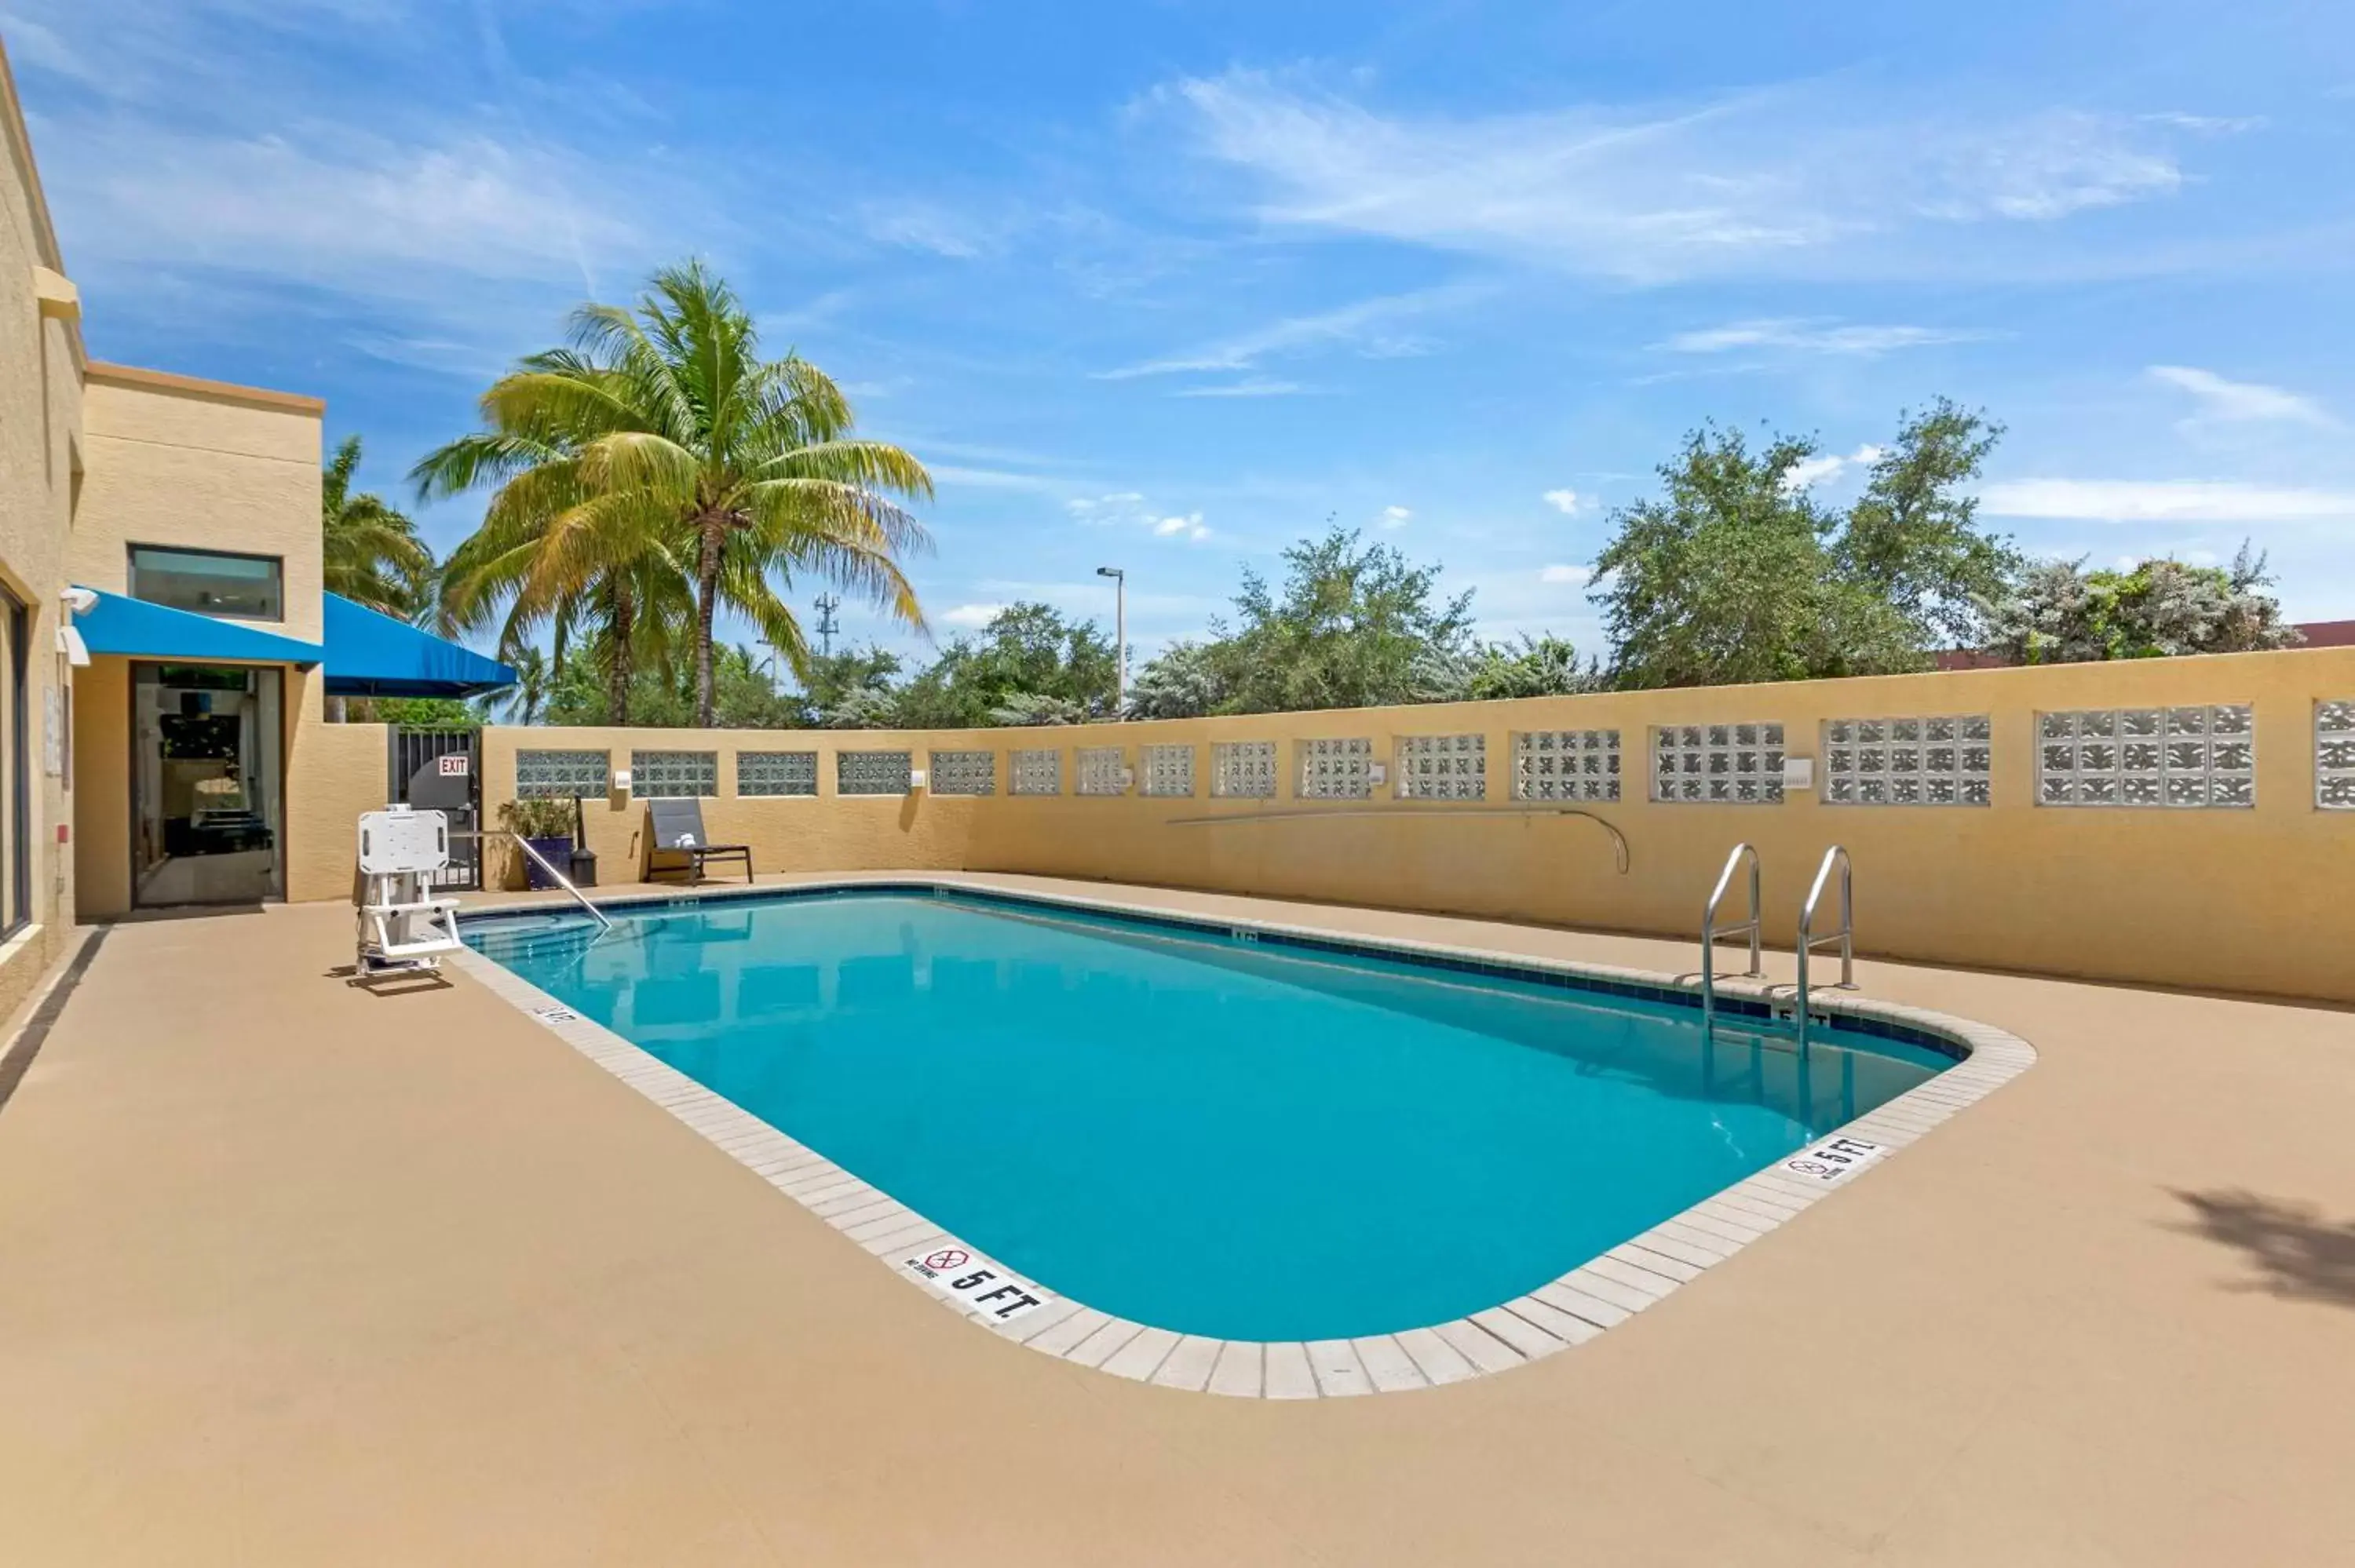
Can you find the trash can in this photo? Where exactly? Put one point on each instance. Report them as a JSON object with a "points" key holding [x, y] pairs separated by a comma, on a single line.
{"points": [[585, 868]]}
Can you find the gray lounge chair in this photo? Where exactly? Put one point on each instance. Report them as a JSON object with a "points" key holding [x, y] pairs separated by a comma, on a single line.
{"points": [[674, 828]]}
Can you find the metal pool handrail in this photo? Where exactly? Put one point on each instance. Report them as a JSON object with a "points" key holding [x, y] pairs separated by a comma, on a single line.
{"points": [[1711, 932], [1845, 935], [548, 866]]}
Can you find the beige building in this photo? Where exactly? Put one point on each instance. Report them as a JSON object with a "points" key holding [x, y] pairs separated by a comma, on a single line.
{"points": [[162, 626]]}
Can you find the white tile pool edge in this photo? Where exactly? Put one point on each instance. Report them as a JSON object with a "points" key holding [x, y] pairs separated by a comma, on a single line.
{"points": [[1596, 1296]]}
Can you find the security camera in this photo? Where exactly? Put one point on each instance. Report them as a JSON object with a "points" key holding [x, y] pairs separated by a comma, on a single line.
{"points": [[81, 601]]}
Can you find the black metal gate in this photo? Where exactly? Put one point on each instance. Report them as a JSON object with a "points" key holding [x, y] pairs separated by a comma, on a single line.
{"points": [[442, 770]]}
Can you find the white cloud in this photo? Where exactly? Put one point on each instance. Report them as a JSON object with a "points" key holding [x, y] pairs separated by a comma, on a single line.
{"points": [[1187, 527], [1808, 473], [972, 615], [2166, 501], [1119, 505], [1652, 192], [956, 474], [1816, 337], [1566, 501], [909, 224], [1254, 387], [326, 206], [1396, 516], [1371, 328], [1567, 576], [2239, 402]]}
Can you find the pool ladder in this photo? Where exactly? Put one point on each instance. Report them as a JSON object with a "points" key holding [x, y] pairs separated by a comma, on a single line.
{"points": [[1710, 931]]}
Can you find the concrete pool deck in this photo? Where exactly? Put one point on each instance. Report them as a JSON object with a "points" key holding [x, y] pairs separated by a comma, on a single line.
{"points": [[297, 1274]]}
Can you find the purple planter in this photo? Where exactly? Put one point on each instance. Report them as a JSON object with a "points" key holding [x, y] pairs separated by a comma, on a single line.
{"points": [[557, 852]]}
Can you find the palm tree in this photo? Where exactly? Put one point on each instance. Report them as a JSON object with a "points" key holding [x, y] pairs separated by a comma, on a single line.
{"points": [[523, 702], [552, 550], [664, 423], [370, 554]]}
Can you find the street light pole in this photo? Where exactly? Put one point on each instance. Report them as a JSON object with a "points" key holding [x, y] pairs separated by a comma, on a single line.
{"points": [[1119, 637]]}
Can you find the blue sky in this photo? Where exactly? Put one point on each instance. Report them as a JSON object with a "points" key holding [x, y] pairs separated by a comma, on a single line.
{"points": [[1166, 285]]}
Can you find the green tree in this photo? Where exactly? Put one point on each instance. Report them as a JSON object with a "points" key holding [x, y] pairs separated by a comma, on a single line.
{"points": [[1187, 681], [2062, 613], [1913, 536], [1355, 625], [555, 551], [1533, 667], [1028, 661], [662, 441], [1737, 574], [369, 552]]}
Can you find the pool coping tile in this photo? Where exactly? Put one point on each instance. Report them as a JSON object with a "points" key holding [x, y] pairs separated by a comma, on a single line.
{"points": [[1593, 1297]]}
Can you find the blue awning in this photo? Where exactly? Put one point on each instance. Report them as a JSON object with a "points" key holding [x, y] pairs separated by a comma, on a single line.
{"points": [[373, 655], [137, 630]]}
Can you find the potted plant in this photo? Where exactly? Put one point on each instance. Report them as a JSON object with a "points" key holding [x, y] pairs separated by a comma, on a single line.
{"points": [[545, 822]]}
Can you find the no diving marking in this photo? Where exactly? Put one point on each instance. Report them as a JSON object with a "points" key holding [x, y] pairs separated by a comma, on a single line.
{"points": [[985, 1286]]}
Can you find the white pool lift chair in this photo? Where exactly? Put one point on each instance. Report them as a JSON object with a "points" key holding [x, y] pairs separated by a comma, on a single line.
{"points": [[402, 926]]}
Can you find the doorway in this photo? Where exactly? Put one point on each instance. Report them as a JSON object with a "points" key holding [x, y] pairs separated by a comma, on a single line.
{"points": [[206, 800]]}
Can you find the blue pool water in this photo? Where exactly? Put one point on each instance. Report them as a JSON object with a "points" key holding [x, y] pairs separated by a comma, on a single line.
{"points": [[1239, 1140]]}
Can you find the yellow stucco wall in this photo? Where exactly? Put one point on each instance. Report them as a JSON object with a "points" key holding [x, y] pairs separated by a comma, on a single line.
{"points": [[179, 461], [41, 453], [2248, 900], [334, 773]]}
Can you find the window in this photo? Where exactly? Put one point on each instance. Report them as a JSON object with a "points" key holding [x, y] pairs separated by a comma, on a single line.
{"points": [[1104, 770], [777, 773], [1038, 771], [1735, 764], [1169, 770], [18, 912], [565, 774], [2148, 757], [1243, 768], [2334, 756], [1566, 765], [872, 773], [674, 775], [1932, 761], [964, 773], [1443, 767], [1335, 769], [208, 582]]}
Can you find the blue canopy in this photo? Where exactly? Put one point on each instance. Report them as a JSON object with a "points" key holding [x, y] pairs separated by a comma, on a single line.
{"points": [[373, 655], [138, 630]]}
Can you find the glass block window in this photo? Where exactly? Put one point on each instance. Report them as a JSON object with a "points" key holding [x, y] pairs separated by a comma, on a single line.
{"points": [[1104, 770], [1566, 765], [777, 773], [1038, 772], [964, 773], [1934, 761], [2148, 757], [2334, 756], [567, 774], [871, 772], [1733, 764], [1243, 768], [669, 775], [1168, 770], [1337, 769], [1443, 768]]}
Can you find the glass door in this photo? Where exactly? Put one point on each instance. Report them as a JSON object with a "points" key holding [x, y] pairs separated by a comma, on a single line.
{"points": [[206, 802]]}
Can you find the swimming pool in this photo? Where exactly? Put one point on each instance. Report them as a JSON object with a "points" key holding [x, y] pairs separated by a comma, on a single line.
{"points": [[1221, 1134]]}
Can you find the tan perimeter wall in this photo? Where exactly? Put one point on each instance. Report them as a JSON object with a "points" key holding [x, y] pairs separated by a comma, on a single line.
{"points": [[2253, 900]]}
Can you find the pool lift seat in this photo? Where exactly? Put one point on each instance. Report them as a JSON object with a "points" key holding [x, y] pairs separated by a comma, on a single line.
{"points": [[403, 927]]}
